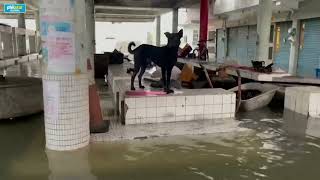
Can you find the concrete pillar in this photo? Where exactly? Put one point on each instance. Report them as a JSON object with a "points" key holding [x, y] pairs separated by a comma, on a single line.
{"points": [[38, 37], [96, 119], [65, 77], [158, 30], [294, 51], [264, 27], [90, 39], [21, 39], [1, 47], [14, 43], [175, 20]]}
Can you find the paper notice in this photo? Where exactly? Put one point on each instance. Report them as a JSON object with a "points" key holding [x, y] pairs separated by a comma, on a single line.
{"points": [[51, 91]]}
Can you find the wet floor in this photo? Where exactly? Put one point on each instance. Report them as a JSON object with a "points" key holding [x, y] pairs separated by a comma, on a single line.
{"points": [[265, 151]]}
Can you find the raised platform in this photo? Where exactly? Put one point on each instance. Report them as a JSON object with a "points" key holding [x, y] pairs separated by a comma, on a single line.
{"points": [[256, 76], [185, 105]]}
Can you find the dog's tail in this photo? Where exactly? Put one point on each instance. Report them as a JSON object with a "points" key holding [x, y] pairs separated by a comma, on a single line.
{"points": [[130, 47]]}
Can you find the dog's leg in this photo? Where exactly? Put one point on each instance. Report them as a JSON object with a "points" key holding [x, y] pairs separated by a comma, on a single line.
{"points": [[164, 79], [142, 70], [133, 77], [168, 90]]}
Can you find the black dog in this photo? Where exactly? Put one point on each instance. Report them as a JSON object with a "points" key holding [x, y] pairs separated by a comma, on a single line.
{"points": [[165, 57]]}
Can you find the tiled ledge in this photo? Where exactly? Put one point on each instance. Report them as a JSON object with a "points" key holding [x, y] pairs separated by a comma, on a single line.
{"points": [[189, 105]]}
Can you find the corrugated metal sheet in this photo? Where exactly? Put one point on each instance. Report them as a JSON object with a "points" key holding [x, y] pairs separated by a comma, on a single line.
{"points": [[232, 43], [309, 55], [282, 56], [220, 45], [237, 45], [252, 43]]}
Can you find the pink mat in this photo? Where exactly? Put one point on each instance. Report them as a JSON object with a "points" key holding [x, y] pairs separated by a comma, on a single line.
{"points": [[145, 93]]}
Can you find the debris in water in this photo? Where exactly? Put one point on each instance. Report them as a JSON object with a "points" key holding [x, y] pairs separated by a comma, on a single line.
{"points": [[259, 174], [314, 145], [204, 175]]}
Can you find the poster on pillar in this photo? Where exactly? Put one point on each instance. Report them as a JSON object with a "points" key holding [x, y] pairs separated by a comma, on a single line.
{"points": [[58, 36], [51, 91], [61, 52]]}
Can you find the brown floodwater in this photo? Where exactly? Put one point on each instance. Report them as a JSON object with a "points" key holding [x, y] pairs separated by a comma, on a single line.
{"points": [[265, 151]]}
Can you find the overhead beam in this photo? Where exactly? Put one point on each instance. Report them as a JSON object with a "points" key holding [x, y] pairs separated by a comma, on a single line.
{"points": [[132, 8], [107, 19], [125, 11]]}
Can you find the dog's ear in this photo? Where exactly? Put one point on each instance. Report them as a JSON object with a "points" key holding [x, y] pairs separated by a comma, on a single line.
{"points": [[167, 34], [180, 33]]}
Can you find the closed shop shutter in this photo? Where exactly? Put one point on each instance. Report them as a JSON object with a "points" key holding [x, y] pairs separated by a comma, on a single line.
{"points": [[309, 54], [282, 49], [232, 43], [252, 44], [220, 45], [237, 45]]}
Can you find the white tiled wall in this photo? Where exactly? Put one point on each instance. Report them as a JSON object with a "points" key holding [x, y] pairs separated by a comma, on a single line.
{"points": [[66, 111], [303, 100], [189, 106]]}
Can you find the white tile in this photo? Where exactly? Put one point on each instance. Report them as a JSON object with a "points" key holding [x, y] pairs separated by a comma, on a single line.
{"points": [[141, 113], [208, 100], [130, 102], [217, 99], [199, 110], [180, 118], [190, 100], [151, 112], [190, 118], [161, 101], [180, 111], [152, 120], [226, 99], [217, 109], [200, 100], [233, 108], [161, 111], [171, 111], [226, 108], [180, 101], [208, 109], [190, 110], [140, 102], [171, 100], [233, 98], [225, 115], [198, 117], [151, 102], [207, 116], [217, 116], [170, 119], [131, 114]]}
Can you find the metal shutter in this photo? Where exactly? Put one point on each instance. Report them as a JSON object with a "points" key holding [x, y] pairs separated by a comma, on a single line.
{"points": [[309, 54], [232, 43], [237, 45], [282, 57], [252, 43], [221, 45]]}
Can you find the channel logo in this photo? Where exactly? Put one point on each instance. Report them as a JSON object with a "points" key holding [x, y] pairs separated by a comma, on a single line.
{"points": [[14, 8]]}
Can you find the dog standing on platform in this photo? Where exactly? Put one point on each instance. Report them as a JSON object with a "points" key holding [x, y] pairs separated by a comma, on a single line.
{"points": [[165, 57]]}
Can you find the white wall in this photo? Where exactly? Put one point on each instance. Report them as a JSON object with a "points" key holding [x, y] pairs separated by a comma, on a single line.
{"points": [[30, 23], [120, 32]]}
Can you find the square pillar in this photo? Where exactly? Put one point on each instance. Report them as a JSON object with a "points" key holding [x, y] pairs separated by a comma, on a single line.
{"points": [[294, 51], [158, 30], [263, 29], [175, 20]]}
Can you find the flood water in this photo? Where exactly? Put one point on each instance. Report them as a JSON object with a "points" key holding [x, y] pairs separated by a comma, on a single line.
{"points": [[265, 151]]}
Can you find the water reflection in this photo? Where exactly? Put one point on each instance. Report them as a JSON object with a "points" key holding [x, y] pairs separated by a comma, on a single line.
{"points": [[27, 69], [69, 165]]}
